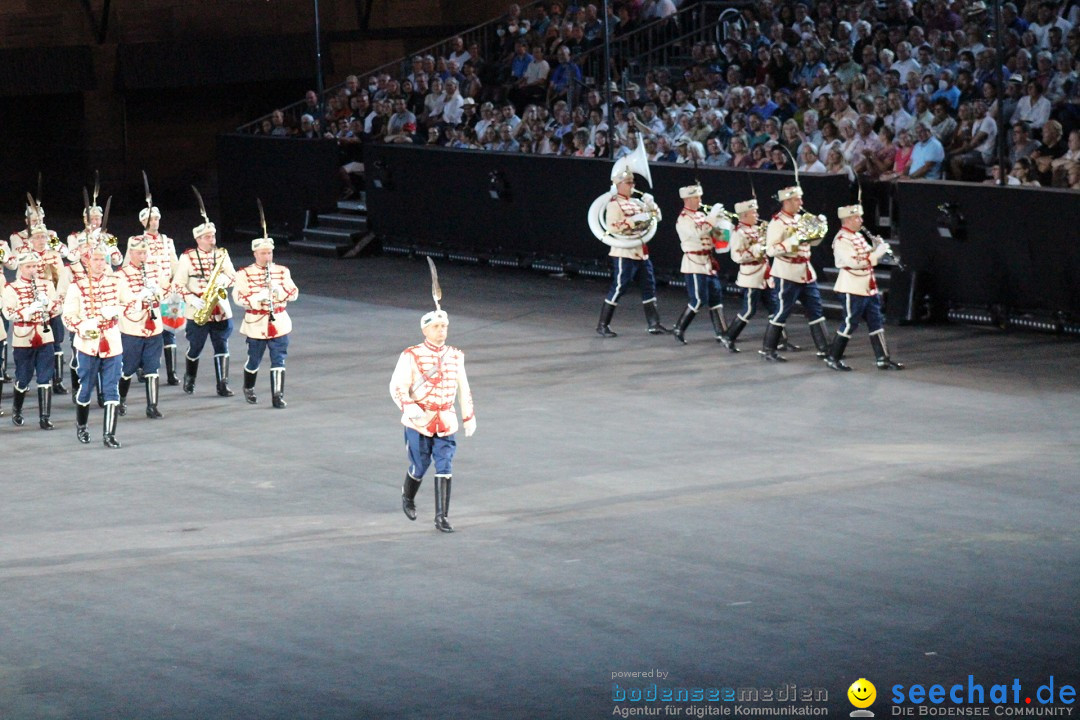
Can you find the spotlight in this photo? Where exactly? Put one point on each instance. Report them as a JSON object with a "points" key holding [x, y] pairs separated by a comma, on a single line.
{"points": [[950, 222], [497, 186]]}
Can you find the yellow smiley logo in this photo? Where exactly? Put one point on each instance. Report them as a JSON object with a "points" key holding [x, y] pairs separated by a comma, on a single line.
{"points": [[862, 693]]}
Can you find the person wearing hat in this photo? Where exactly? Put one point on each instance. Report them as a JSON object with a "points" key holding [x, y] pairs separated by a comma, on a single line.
{"points": [[700, 235], [193, 271], [160, 254], [92, 310], [263, 289], [795, 277], [27, 303], [20, 240], [91, 233], [855, 284], [625, 214], [51, 271], [142, 288], [427, 379], [748, 251], [77, 267]]}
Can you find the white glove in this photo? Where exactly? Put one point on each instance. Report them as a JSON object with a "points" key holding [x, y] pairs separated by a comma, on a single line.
{"points": [[86, 327], [639, 218], [32, 309], [470, 427], [153, 288], [110, 311], [648, 199], [196, 302], [717, 211], [147, 294], [414, 412], [880, 251], [261, 296]]}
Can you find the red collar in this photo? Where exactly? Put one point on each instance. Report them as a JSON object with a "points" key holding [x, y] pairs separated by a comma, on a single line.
{"points": [[433, 348]]}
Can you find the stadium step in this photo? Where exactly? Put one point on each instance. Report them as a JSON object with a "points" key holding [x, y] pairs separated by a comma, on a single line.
{"points": [[335, 234]]}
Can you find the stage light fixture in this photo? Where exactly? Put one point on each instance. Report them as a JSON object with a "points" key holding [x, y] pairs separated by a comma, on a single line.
{"points": [[951, 224], [498, 189], [381, 177]]}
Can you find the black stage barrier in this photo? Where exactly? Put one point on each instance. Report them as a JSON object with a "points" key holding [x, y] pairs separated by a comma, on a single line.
{"points": [[290, 176], [1015, 247], [444, 197]]}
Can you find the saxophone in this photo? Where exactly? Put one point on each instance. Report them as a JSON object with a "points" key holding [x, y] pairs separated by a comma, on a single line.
{"points": [[213, 294]]}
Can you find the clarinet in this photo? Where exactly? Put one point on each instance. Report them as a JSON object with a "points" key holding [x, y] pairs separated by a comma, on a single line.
{"points": [[149, 304], [270, 292], [876, 240], [44, 313]]}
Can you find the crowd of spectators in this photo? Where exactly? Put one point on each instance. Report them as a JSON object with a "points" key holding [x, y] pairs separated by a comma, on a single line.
{"points": [[884, 90]]}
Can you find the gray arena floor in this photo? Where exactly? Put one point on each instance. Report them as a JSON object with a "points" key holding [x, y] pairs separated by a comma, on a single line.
{"points": [[626, 506]]}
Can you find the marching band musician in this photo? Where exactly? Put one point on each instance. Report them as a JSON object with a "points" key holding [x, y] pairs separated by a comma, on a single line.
{"points": [[20, 240], [796, 278], [92, 216], [697, 236], [27, 303], [160, 252], [91, 313], [77, 268], [142, 287], [624, 214], [748, 251], [3, 344], [855, 259], [425, 382], [53, 272], [193, 272], [263, 289]]}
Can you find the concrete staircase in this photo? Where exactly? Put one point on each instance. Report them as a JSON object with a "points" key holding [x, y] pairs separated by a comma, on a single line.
{"points": [[343, 232]]}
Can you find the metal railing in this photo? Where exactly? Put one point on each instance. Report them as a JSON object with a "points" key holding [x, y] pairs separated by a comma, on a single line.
{"points": [[662, 42], [484, 35]]}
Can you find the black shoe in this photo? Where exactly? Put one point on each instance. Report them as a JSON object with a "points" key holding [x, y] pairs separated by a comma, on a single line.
{"points": [[606, 313], [221, 371], [719, 325], [249, 386], [170, 365], [652, 316], [817, 332], [881, 353], [123, 386], [58, 375], [17, 407], [442, 504], [82, 414], [108, 433], [836, 352], [772, 339], [732, 334], [153, 384], [277, 388], [190, 373], [682, 323], [44, 396], [408, 496]]}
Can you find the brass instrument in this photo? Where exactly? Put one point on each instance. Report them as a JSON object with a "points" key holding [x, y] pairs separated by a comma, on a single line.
{"points": [[3, 254], [809, 229], [214, 293]]}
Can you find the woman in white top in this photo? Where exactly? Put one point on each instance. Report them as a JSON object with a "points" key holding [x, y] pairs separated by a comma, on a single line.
{"points": [[850, 142]]}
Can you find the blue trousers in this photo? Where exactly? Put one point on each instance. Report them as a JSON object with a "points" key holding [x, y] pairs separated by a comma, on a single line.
{"points": [[752, 297], [624, 271], [219, 332], [859, 307], [423, 449], [89, 367], [57, 325], [279, 348], [703, 290], [788, 292], [31, 362], [142, 352]]}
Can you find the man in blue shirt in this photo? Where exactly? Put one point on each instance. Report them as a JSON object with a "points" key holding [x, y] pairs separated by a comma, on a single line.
{"points": [[927, 155], [563, 76]]}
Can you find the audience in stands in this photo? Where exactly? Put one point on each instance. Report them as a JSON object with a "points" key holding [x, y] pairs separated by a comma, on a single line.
{"points": [[890, 90]]}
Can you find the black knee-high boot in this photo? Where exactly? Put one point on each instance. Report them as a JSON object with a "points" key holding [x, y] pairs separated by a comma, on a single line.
{"points": [[408, 496], [442, 504], [682, 323], [732, 334], [607, 311], [834, 359], [772, 339], [881, 352]]}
